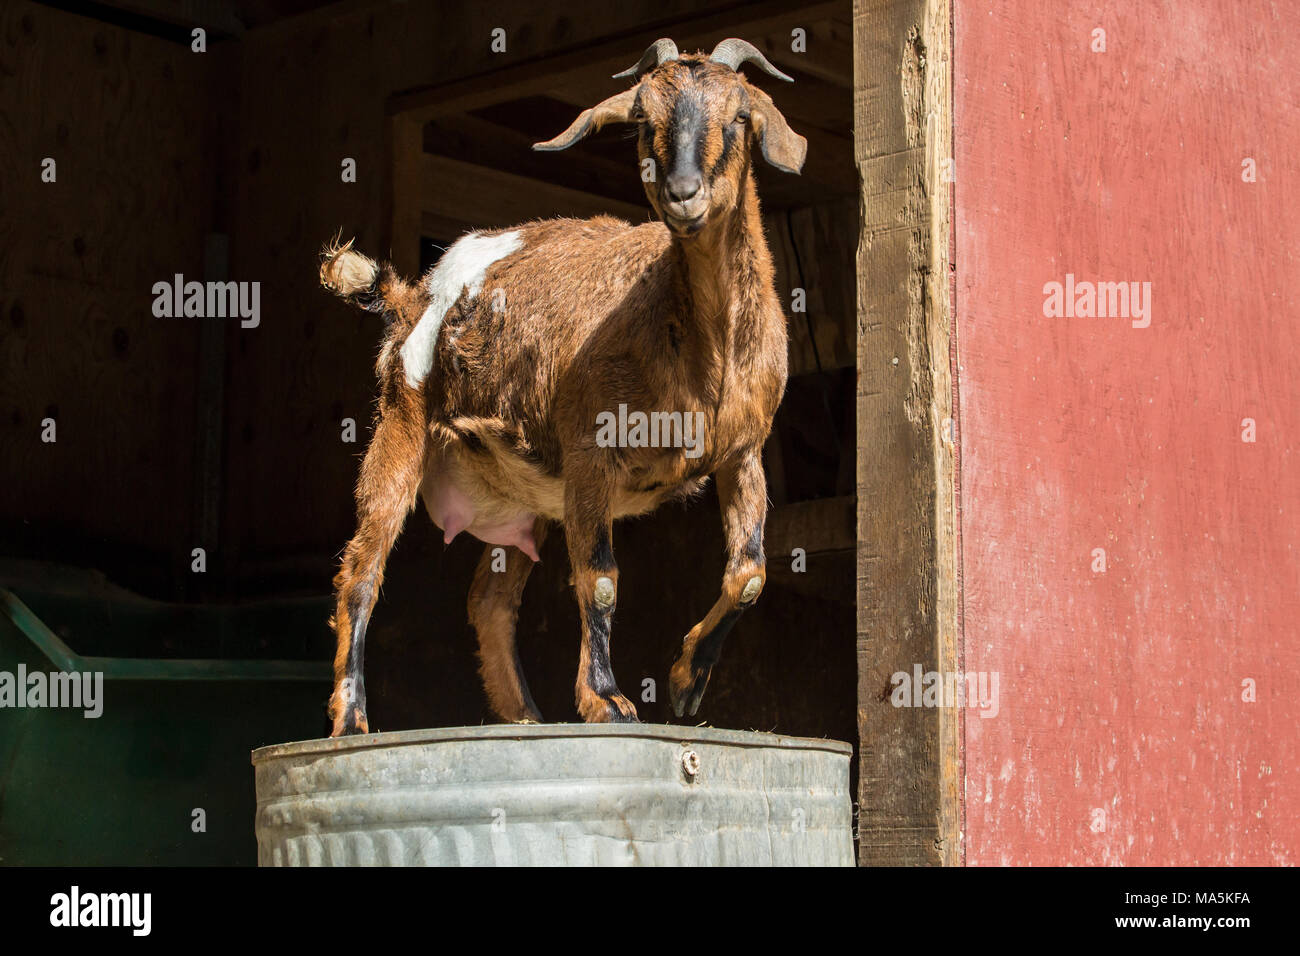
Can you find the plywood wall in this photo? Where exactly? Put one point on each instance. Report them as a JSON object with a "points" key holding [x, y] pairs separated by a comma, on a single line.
{"points": [[126, 118], [1131, 559]]}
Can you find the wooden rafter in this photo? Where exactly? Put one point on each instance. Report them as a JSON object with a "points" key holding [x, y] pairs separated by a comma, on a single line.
{"points": [[602, 59]]}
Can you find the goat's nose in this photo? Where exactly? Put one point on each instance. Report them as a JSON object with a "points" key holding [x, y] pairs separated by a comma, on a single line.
{"points": [[682, 186]]}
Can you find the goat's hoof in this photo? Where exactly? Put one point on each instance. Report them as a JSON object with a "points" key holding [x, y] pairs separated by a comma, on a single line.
{"points": [[686, 685], [518, 715], [609, 709], [351, 721], [620, 710]]}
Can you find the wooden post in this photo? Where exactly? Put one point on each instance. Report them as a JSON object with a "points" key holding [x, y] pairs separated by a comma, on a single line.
{"points": [[910, 771], [406, 153]]}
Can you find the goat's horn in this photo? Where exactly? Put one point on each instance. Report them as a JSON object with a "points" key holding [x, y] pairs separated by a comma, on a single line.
{"points": [[734, 52], [662, 51]]}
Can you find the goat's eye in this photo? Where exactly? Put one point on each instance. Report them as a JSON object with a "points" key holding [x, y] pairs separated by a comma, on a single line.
{"points": [[742, 117]]}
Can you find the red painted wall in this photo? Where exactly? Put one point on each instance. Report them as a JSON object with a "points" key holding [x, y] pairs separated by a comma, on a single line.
{"points": [[1121, 691]]}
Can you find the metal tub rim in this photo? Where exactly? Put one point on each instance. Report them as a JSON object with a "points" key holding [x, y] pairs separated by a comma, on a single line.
{"points": [[669, 732]]}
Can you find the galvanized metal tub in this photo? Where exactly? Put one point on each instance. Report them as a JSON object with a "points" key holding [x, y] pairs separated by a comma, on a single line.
{"points": [[555, 794]]}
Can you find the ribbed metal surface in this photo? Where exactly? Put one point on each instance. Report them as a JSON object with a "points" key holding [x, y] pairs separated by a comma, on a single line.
{"points": [[555, 794]]}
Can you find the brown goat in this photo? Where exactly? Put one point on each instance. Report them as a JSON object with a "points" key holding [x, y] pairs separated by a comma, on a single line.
{"points": [[499, 368]]}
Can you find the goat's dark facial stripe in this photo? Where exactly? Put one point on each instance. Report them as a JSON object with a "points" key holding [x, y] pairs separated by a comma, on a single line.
{"points": [[686, 134], [728, 143]]}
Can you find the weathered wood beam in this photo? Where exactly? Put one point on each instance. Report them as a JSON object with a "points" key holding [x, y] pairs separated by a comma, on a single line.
{"points": [[910, 773], [824, 529], [818, 526], [500, 147], [490, 197]]}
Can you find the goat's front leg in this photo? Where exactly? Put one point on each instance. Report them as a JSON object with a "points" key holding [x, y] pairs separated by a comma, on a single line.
{"points": [[588, 527], [386, 492], [742, 491]]}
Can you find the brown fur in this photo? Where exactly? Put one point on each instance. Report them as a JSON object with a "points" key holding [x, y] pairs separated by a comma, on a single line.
{"points": [[596, 313], [494, 598]]}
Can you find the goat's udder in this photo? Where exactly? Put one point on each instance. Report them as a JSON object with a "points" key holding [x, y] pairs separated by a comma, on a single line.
{"points": [[453, 511]]}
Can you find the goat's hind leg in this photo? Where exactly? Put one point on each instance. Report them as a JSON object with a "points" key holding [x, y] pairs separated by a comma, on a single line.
{"points": [[742, 491], [386, 492], [494, 599]]}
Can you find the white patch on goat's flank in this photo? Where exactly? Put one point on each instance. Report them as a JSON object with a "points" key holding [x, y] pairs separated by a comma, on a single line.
{"points": [[462, 267]]}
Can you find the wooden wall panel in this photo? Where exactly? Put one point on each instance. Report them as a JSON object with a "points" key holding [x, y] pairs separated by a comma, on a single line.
{"points": [[124, 116], [813, 247]]}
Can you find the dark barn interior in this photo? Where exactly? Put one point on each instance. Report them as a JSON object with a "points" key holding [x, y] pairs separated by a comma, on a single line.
{"points": [[176, 434]]}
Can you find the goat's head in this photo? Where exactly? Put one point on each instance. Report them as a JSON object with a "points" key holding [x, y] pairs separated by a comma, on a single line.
{"points": [[696, 117]]}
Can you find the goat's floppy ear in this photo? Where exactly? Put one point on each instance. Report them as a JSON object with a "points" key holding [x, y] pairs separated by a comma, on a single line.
{"points": [[782, 147], [616, 109]]}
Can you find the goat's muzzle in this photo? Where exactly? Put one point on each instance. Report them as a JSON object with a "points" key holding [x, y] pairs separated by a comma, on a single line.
{"points": [[686, 218]]}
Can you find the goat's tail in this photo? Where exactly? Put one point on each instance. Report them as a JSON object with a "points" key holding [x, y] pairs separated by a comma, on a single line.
{"points": [[369, 285]]}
